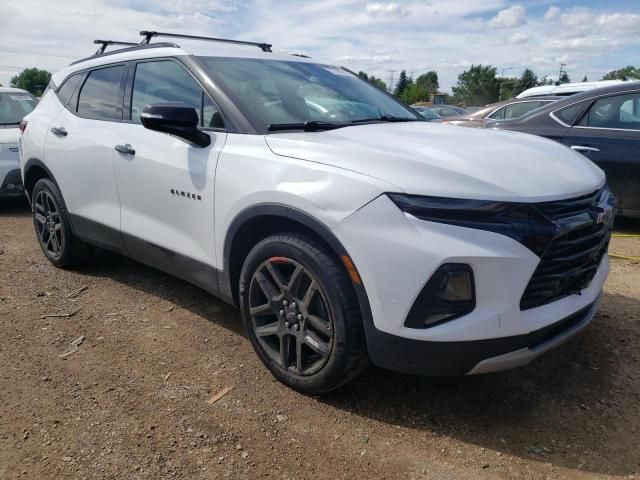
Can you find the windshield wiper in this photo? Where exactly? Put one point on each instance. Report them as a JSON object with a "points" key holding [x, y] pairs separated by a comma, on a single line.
{"points": [[311, 126], [386, 118]]}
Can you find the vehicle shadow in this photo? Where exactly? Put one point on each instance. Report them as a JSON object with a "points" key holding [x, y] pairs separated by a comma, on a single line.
{"points": [[575, 407], [627, 225], [14, 207]]}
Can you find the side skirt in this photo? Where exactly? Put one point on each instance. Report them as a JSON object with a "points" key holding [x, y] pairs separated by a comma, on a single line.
{"points": [[165, 260]]}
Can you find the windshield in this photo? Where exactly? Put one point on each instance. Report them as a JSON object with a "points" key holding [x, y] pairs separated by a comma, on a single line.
{"points": [[278, 92], [14, 107], [427, 113]]}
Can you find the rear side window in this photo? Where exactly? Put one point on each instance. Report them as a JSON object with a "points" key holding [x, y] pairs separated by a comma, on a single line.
{"points": [[100, 96], [68, 88], [166, 81], [620, 112]]}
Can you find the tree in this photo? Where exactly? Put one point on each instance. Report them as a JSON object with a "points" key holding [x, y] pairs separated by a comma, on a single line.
{"points": [[477, 86], [585, 79], [429, 81], [527, 80], [415, 92], [564, 78], [403, 83], [32, 80], [627, 73], [378, 82]]}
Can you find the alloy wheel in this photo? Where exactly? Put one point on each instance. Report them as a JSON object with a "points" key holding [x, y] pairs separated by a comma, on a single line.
{"points": [[48, 223], [290, 316]]}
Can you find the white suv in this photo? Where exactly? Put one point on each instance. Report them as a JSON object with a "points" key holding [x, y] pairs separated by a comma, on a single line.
{"points": [[15, 104], [346, 229]]}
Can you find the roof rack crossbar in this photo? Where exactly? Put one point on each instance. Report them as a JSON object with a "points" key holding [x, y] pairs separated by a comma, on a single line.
{"points": [[105, 43], [265, 47]]}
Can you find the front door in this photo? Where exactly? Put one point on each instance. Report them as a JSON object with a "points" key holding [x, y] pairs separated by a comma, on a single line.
{"points": [[167, 185]]}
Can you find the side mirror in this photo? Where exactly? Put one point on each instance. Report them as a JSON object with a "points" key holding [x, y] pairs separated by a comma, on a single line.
{"points": [[175, 119]]}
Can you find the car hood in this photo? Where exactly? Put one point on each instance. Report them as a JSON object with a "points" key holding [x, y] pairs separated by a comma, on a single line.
{"points": [[9, 134], [442, 160]]}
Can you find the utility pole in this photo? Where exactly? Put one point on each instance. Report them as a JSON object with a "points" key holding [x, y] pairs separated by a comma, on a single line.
{"points": [[501, 77], [561, 71], [391, 85]]}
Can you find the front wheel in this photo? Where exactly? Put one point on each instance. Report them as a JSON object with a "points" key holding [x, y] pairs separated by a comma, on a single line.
{"points": [[301, 313]]}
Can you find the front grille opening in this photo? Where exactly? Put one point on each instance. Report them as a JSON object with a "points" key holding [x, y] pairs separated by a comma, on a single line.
{"points": [[571, 260]]}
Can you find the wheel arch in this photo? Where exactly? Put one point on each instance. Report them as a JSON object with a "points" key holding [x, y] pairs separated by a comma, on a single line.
{"points": [[34, 170], [260, 221]]}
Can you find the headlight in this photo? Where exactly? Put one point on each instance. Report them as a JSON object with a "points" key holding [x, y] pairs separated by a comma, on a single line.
{"points": [[520, 221]]}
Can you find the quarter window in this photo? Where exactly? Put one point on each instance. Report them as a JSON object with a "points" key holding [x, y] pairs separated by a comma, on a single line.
{"points": [[571, 113], [620, 111], [167, 82], [100, 95], [68, 88]]}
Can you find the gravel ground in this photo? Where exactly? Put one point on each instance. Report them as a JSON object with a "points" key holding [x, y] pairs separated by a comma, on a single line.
{"points": [[131, 402]]}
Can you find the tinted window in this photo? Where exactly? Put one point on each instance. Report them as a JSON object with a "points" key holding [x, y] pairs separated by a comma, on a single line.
{"points": [[100, 95], [620, 111], [14, 106], [570, 114], [168, 82], [277, 91], [516, 110], [66, 91]]}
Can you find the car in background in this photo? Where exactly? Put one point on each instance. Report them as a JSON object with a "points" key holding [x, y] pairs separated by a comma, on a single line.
{"points": [[15, 104], [426, 113], [507, 109], [448, 110], [603, 125], [566, 89]]}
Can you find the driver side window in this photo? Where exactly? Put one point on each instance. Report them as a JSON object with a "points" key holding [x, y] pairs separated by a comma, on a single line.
{"points": [[166, 81]]}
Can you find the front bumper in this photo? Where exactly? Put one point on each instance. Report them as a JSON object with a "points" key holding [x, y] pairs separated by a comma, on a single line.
{"points": [[396, 254]]}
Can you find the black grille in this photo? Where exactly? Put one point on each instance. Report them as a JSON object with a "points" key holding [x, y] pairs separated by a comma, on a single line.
{"points": [[572, 258]]}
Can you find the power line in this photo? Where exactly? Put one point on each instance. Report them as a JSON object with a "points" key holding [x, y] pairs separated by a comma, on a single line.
{"points": [[41, 54]]}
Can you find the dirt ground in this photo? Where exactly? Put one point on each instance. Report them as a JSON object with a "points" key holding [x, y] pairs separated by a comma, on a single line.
{"points": [[131, 402]]}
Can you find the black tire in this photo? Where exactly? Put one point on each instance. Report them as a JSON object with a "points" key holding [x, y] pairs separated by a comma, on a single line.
{"points": [[329, 340], [53, 228]]}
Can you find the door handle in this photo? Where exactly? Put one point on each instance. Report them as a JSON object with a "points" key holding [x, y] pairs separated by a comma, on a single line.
{"points": [[125, 149], [583, 148], [59, 131]]}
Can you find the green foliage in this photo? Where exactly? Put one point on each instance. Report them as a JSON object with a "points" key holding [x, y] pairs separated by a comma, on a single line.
{"points": [[627, 73], [415, 92], [527, 80], [508, 87], [477, 86], [32, 80], [378, 82], [564, 78], [403, 83], [429, 82]]}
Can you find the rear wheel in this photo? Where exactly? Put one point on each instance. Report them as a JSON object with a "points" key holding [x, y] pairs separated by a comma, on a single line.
{"points": [[301, 314], [53, 228]]}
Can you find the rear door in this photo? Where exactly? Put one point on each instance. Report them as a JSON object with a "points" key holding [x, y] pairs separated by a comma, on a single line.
{"points": [[609, 134], [167, 186], [79, 152]]}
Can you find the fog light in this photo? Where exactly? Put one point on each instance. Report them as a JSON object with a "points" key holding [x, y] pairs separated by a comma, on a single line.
{"points": [[447, 295]]}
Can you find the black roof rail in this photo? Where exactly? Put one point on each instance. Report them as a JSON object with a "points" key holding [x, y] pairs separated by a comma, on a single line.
{"points": [[265, 47], [106, 43], [134, 47]]}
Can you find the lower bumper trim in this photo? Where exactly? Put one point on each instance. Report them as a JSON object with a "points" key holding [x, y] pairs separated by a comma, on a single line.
{"points": [[473, 357]]}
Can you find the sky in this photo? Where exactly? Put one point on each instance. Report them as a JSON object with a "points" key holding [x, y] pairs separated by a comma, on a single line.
{"points": [[590, 36]]}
